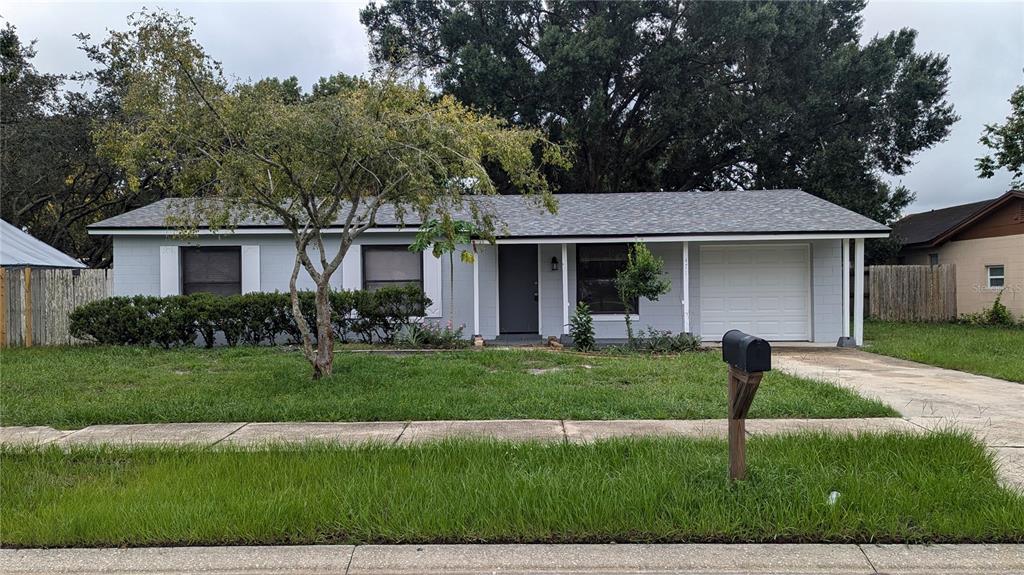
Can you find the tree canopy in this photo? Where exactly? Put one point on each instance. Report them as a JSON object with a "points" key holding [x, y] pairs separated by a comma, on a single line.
{"points": [[678, 95], [1006, 142], [331, 159], [54, 182]]}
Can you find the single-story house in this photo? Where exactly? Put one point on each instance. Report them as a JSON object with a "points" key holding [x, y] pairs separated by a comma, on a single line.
{"points": [[774, 263], [984, 240]]}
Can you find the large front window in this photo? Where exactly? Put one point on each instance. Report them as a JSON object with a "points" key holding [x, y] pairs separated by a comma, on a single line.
{"points": [[596, 265], [385, 266], [216, 270]]}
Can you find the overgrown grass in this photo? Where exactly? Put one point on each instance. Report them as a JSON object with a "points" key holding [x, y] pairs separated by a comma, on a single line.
{"points": [[992, 351], [75, 387], [893, 487]]}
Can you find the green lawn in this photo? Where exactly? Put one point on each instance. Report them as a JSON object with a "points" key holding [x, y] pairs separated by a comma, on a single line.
{"points": [[892, 487], [75, 387], [993, 351]]}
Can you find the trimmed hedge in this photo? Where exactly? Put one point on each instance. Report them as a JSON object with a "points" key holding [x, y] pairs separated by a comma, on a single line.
{"points": [[250, 319]]}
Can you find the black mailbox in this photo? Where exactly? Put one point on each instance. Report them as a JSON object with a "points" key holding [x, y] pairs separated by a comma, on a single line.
{"points": [[746, 352]]}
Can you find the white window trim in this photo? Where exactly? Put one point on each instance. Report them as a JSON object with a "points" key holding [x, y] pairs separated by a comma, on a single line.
{"points": [[989, 276], [614, 317]]}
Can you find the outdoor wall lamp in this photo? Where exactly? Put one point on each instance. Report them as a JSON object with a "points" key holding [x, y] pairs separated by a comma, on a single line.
{"points": [[554, 264]]}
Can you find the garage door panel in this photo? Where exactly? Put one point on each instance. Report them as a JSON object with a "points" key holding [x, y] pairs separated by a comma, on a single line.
{"points": [[760, 289]]}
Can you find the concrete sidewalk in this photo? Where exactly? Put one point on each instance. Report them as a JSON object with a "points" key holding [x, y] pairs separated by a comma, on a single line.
{"points": [[399, 432], [753, 559]]}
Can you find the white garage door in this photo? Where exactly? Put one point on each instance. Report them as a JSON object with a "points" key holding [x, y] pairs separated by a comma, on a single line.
{"points": [[760, 289]]}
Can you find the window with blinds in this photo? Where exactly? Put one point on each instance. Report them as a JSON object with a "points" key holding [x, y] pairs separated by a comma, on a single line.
{"points": [[385, 266], [216, 270]]}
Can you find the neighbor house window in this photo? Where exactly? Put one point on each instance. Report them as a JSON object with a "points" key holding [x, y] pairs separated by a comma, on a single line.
{"points": [[216, 270], [596, 265], [996, 276], [933, 259], [385, 266]]}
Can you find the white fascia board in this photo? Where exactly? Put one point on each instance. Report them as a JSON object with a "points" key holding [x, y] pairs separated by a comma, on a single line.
{"points": [[693, 238], [168, 232], [533, 240]]}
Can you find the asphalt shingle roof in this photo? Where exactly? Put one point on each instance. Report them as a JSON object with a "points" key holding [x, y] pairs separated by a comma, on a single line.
{"points": [[625, 214], [924, 227]]}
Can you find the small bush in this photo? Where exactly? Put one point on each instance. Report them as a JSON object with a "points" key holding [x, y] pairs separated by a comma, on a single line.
{"points": [[652, 340], [432, 335], [581, 328], [995, 315], [252, 319]]}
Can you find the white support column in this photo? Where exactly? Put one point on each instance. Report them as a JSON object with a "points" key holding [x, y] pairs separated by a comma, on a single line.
{"points": [[846, 287], [565, 287], [686, 287], [858, 291], [540, 291], [476, 291]]}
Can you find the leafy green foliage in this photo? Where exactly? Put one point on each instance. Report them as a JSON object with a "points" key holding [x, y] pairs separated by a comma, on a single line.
{"points": [[653, 340], [432, 335], [1006, 142], [689, 95], [996, 314], [643, 277], [581, 328], [54, 182], [254, 319], [334, 158]]}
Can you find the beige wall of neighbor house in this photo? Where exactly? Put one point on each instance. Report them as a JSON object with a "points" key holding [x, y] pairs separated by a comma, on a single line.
{"points": [[973, 258]]}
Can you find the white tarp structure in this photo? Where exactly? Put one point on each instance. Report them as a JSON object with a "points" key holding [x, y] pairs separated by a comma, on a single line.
{"points": [[20, 249]]}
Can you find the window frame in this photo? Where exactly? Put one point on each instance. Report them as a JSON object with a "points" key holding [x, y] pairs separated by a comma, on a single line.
{"points": [[989, 277], [183, 255], [388, 247], [933, 259], [600, 314]]}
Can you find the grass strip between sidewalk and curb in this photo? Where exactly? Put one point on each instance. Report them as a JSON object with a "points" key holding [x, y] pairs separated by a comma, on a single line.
{"points": [[70, 388], [892, 487]]}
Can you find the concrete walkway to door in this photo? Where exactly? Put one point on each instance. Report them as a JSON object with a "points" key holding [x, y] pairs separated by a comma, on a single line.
{"points": [[928, 396]]}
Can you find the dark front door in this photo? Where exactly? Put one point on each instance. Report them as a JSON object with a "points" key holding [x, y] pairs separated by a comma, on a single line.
{"points": [[517, 288]]}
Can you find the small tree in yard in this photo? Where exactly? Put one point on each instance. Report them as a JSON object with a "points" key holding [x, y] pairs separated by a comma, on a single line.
{"points": [[444, 236], [643, 277], [261, 151]]}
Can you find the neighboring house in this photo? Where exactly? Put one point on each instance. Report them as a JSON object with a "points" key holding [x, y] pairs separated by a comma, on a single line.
{"points": [[19, 249], [985, 240], [768, 262]]}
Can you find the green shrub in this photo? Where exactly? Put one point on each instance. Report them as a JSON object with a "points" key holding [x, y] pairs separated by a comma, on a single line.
{"points": [[252, 318], [432, 335], [581, 328], [996, 315], [652, 340]]}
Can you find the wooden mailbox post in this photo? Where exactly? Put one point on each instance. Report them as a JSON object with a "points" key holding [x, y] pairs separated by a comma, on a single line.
{"points": [[748, 358]]}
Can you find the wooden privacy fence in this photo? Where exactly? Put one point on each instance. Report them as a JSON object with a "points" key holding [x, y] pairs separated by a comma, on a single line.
{"points": [[913, 293], [35, 303]]}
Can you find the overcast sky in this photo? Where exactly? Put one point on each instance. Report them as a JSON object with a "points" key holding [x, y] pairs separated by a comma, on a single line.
{"points": [[984, 41]]}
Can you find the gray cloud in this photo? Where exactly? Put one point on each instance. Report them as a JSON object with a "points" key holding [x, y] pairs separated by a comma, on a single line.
{"points": [[984, 41]]}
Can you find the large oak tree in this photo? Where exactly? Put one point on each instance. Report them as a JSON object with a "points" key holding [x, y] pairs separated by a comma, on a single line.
{"points": [[689, 94]]}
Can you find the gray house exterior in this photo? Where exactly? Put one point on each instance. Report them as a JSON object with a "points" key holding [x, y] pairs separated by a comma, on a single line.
{"points": [[774, 263]]}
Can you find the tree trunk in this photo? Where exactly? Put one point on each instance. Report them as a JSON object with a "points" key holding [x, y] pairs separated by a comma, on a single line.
{"points": [[323, 362]]}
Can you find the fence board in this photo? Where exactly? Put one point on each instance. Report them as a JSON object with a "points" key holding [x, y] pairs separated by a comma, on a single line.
{"points": [[35, 305], [913, 293]]}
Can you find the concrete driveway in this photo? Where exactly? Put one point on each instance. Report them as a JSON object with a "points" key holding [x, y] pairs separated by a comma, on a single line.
{"points": [[927, 396]]}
